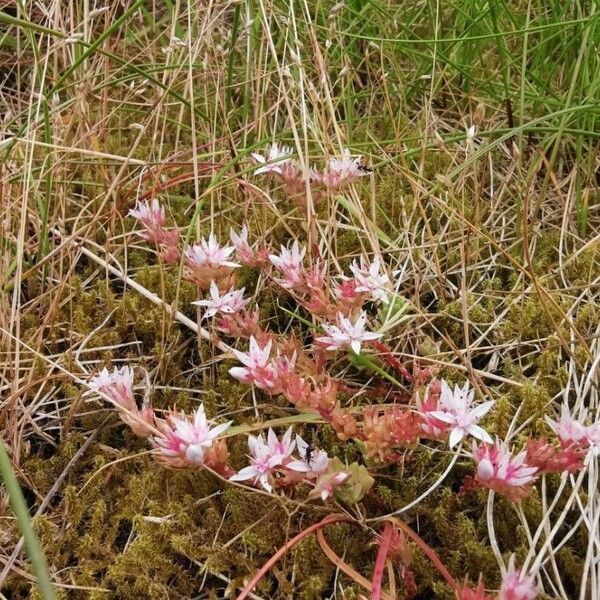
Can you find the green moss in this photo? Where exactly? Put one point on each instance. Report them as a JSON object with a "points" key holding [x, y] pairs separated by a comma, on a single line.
{"points": [[123, 523]]}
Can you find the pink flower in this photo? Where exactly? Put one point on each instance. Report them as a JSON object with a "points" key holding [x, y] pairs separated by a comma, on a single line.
{"points": [[431, 426], [569, 430], [152, 216], [208, 261], [266, 457], [118, 386], [455, 409], [348, 334], [259, 369], [210, 254], [313, 461], [276, 160], [341, 171], [184, 441], [289, 264], [517, 586], [244, 251], [327, 483], [227, 304], [499, 470], [370, 280]]}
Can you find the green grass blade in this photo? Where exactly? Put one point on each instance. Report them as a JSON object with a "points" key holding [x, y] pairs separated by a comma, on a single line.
{"points": [[17, 502]]}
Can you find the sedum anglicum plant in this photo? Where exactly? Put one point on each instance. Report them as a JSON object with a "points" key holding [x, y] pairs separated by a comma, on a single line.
{"points": [[305, 372]]}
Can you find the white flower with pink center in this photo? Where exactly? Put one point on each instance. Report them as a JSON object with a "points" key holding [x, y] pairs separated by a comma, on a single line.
{"points": [[210, 254], [150, 214], [341, 171], [275, 160], [184, 441], [456, 409], [327, 483], [265, 458], [289, 264], [258, 368], [228, 303], [348, 334], [370, 279], [568, 429], [244, 251], [118, 386], [313, 461], [499, 470], [516, 585]]}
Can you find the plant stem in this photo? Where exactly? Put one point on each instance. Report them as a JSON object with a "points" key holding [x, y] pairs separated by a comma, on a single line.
{"points": [[284, 550], [429, 552], [384, 546]]}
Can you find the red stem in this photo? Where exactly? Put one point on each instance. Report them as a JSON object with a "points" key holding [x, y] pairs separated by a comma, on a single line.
{"points": [[429, 552], [285, 548], [390, 359], [384, 546]]}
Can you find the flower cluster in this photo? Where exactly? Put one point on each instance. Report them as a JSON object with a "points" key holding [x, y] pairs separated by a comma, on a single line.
{"points": [[118, 388], [245, 253], [513, 475], [272, 463], [503, 472], [181, 441], [369, 282], [454, 414], [188, 442], [338, 173], [347, 334], [303, 373], [151, 216], [307, 389], [208, 261]]}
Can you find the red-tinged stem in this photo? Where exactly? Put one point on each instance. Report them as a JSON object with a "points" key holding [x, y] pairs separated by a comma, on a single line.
{"points": [[428, 551], [390, 359], [161, 187], [345, 567], [384, 546], [284, 550]]}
